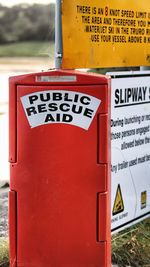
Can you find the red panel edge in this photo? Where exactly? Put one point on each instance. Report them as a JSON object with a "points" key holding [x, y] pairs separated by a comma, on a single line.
{"points": [[104, 224], [91, 78], [102, 217], [103, 138], [13, 228], [12, 122]]}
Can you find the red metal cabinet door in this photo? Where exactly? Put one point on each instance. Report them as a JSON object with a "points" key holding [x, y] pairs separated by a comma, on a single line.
{"points": [[57, 179]]}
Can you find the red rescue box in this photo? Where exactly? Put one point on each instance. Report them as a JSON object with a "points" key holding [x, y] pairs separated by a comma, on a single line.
{"points": [[59, 199]]}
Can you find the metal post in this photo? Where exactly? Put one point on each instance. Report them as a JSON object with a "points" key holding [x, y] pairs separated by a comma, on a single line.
{"points": [[58, 36]]}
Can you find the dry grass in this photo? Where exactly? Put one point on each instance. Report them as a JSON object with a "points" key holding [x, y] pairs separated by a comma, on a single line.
{"points": [[4, 252], [27, 49], [131, 247]]}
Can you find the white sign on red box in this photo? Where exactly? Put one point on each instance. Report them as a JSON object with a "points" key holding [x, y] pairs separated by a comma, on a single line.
{"points": [[58, 106]]}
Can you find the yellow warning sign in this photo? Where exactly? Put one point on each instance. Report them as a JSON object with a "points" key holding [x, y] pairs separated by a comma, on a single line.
{"points": [[143, 199], [118, 205], [105, 33]]}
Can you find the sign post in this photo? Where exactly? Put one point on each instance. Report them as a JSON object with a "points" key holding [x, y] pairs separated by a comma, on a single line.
{"points": [[58, 36]]}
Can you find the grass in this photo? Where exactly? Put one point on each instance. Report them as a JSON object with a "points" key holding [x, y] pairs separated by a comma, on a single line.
{"points": [[27, 49], [131, 247], [4, 252]]}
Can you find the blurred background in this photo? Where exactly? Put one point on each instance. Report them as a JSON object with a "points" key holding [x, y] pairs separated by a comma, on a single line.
{"points": [[27, 33]]}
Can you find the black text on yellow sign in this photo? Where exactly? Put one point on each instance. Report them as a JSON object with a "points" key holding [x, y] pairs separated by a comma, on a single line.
{"points": [[118, 204], [105, 33]]}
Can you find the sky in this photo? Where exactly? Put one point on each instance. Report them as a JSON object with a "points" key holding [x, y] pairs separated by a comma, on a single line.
{"points": [[15, 2]]}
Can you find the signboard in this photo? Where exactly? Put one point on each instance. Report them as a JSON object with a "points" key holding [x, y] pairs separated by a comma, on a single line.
{"points": [[130, 144], [105, 33], [47, 107]]}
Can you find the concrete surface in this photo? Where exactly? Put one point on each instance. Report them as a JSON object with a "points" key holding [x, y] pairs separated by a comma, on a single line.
{"points": [[11, 67], [4, 212], [4, 167]]}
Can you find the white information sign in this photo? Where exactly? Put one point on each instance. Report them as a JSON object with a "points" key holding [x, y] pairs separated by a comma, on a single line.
{"points": [[130, 144]]}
